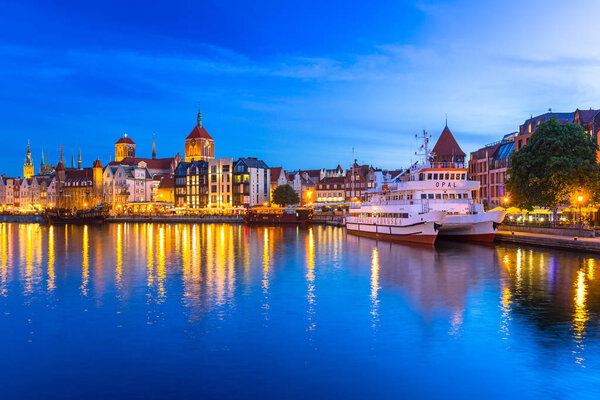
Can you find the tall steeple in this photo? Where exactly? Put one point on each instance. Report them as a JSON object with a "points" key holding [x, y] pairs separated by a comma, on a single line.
{"points": [[28, 165], [154, 146], [28, 156], [47, 160], [79, 159], [199, 119], [42, 164], [61, 157], [72, 159]]}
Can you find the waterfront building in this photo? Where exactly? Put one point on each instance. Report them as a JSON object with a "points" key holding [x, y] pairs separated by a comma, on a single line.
{"points": [[251, 182], [199, 145], [531, 124], [163, 189], [304, 185], [76, 189], [7, 187], [125, 147], [28, 170], [124, 184], [331, 190], [590, 121], [278, 178], [358, 179], [220, 182], [191, 184]]}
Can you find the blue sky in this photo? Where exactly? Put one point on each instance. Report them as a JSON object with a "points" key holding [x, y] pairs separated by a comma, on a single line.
{"points": [[296, 83]]}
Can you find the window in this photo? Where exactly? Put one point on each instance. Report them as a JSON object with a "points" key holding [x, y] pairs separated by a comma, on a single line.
{"points": [[435, 176], [430, 195], [429, 176], [423, 196]]}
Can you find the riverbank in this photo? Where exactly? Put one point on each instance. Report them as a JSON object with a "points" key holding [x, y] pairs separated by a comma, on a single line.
{"points": [[179, 219], [591, 245]]}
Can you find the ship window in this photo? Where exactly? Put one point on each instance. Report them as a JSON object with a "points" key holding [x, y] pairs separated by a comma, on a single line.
{"points": [[435, 176], [429, 176], [445, 196], [423, 196], [462, 176], [447, 176], [438, 196], [451, 195], [421, 177], [451, 176], [430, 195]]}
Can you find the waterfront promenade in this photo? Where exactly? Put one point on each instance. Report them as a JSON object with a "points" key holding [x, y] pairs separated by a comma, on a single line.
{"points": [[553, 241]]}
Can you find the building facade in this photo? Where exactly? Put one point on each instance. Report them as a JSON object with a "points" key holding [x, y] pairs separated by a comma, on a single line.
{"points": [[124, 184], [331, 190], [125, 147], [251, 182], [199, 145], [220, 175], [191, 184]]}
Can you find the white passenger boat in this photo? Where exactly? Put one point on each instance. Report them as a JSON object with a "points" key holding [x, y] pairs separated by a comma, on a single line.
{"points": [[432, 198]]}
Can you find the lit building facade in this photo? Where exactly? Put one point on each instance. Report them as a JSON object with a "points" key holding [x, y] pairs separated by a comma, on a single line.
{"points": [[191, 184], [199, 145], [220, 173], [28, 170], [125, 147], [124, 184], [251, 182], [331, 190]]}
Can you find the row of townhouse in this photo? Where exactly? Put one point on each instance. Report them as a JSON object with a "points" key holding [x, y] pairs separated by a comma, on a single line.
{"points": [[332, 185], [222, 183], [489, 164]]}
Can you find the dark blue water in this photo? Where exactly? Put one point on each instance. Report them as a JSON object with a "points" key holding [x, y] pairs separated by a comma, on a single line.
{"points": [[224, 311]]}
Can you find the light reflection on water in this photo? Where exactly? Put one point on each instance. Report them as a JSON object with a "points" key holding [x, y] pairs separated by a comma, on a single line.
{"points": [[288, 311]]}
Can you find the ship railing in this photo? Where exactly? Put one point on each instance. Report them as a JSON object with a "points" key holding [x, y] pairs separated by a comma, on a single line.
{"points": [[439, 165]]}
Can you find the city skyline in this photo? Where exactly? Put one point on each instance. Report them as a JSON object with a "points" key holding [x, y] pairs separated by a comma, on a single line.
{"points": [[73, 74]]}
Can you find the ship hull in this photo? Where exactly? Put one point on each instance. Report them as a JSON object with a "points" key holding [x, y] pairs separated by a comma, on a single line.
{"points": [[80, 218], [480, 228], [422, 229], [423, 234], [297, 217]]}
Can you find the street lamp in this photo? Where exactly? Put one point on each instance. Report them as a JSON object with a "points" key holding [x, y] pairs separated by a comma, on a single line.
{"points": [[505, 200], [580, 200]]}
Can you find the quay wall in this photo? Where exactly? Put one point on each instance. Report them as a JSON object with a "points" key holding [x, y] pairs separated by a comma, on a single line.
{"points": [[556, 242], [180, 219], [588, 233], [23, 218]]}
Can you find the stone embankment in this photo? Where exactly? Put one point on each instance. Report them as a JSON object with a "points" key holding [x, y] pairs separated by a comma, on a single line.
{"points": [[180, 219], [568, 242]]}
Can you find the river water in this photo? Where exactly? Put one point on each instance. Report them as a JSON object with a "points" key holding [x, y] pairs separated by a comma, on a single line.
{"points": [[226, 311]]}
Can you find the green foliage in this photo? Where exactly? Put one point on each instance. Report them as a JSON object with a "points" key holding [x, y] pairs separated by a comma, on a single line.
{"points": [[284, 195], [558, 163]]}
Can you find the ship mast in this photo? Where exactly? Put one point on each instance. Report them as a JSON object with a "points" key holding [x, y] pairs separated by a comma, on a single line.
{"points": [[424, 147]]}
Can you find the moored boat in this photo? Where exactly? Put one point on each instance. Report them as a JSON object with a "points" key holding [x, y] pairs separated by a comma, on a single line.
{"points": [[89, 216], [276, 216], [439, 184]]}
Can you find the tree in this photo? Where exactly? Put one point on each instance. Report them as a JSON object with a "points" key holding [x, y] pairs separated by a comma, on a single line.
{"points": [[284, 195], [558, 163]]}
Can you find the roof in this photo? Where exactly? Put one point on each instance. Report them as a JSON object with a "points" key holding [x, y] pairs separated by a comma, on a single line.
{"points": [[125, 139], [568, 117], [151, 163], [275, 172], [504, 150], [97, 164], [167, 182], [447, 145], [586, 116], [333, 179], [252, 162], [59, 166], [199, 133]]}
